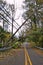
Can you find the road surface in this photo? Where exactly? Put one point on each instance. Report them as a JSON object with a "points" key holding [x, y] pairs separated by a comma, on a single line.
{"points": [[16, 59], [37, 59]]}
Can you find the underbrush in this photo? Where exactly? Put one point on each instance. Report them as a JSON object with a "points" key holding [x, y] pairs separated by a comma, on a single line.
{"points": [[16, 45]]}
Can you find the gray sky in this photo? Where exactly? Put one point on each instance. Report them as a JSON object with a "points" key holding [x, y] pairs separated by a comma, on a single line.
{"points": [[18, 13], [19, 10]]}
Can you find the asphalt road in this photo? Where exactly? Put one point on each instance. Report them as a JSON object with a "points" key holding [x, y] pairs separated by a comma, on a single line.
{"points": [[35, 58], [16, 59]]}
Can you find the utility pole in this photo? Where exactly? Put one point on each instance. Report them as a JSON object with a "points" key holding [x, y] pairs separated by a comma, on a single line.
{"points": [[12, 8], [12, 21]]}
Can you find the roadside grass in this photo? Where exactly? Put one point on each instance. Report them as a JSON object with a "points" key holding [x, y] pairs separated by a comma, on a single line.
{"points": [[0, 45]]}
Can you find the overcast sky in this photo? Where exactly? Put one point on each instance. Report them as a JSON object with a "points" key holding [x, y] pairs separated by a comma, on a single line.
{"points": [[19, 10], [18, 13]]}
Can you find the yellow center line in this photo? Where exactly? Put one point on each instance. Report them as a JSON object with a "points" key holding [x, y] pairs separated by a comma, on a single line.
{"points": [[27, 58]]}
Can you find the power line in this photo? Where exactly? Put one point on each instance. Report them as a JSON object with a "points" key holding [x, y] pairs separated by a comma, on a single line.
{"points": [[8, 15], [17, 30]]}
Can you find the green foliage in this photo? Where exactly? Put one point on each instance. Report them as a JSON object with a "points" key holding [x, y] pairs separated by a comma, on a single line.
{"points": [[1, 29], [16, 45], [41, 41], [21, 38], [39, 1], [33, 10], [32, 44], [36, 37], [4, 36], [0, 45]]}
